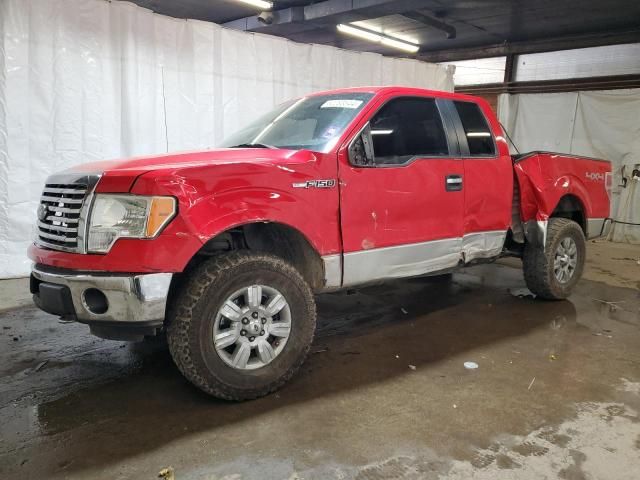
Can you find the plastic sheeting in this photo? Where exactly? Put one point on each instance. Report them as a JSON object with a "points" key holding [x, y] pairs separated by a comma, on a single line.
{"points": [[83, 80], [601, 124]]}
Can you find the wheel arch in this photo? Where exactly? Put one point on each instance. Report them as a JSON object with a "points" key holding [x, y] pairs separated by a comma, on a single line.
{"points": [[570, 206], [275, 238]]}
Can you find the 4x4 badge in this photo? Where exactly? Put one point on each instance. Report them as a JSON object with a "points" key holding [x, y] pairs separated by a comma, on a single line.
{"points": [[329, 183]]}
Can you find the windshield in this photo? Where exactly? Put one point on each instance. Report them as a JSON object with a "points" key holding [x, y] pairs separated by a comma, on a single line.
{"points": [[312, 123]]}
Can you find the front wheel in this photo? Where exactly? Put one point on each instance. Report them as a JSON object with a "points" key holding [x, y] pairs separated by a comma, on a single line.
{"points": [[552, 273], [242, 325]]}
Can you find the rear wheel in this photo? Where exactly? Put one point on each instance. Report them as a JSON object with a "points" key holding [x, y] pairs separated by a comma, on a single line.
{"points": [[552, 273], [242, 325]]}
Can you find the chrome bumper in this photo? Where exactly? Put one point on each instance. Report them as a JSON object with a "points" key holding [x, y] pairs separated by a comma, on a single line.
{"points": [[129, 298]]}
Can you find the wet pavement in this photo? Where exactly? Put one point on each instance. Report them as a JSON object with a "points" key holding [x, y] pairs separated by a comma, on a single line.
{"points": [[384, 393]]}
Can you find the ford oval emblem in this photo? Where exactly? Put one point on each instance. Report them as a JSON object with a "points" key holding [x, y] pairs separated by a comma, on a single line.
{"points": [[42, 212]]}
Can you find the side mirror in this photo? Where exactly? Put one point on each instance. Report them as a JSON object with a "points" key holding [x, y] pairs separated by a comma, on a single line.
{"points": [[361, 149]]}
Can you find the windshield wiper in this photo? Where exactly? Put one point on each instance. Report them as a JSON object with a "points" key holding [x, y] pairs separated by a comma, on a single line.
{"points": [[253, 145]]}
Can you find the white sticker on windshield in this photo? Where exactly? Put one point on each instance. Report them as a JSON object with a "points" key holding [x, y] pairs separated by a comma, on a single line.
{"points": [[344, 103]]}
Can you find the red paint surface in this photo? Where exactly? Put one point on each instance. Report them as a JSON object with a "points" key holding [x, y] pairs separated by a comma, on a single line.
{"points": [[395, 205], [220, 189], [544, 178], [488, 184]]}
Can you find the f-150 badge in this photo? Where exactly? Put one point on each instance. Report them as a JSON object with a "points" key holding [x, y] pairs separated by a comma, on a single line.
{"points": [[328, 183]]}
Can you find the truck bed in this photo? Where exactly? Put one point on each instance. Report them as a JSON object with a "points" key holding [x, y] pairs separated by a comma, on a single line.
{"points": [[545, 177]]}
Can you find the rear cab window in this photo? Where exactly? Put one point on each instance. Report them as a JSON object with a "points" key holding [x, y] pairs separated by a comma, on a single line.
{"points": [[477, 132]]}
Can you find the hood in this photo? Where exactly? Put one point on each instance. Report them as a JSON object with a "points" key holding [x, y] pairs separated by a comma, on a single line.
{"points": [[119, 175], [195, 159]]}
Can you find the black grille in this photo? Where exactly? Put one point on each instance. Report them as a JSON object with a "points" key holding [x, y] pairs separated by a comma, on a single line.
{"points": [[59, 215]]}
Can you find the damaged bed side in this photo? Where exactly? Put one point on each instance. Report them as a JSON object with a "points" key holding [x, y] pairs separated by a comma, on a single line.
{"points": [[551, 184]]}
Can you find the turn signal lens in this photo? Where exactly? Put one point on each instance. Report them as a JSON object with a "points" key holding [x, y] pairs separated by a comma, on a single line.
{"points": [[161, 212]]}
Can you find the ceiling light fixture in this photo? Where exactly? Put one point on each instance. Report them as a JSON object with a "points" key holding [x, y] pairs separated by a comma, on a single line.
{"points": [[378, 38], [358, 32], [381, 132], [258, 3], [478, 134]]}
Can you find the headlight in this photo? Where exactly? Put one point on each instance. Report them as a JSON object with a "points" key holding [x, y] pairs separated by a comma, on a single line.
{"points": [[127, 216]]}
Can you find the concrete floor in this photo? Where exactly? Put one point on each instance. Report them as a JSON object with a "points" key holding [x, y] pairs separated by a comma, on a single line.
{"points": [[383, 395]]}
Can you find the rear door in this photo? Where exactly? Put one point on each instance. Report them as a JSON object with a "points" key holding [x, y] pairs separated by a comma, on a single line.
{"points": [[488, 182], [402, 215]]}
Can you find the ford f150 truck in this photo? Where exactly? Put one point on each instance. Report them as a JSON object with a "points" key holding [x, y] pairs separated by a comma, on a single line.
{"points": [[224, 249]]}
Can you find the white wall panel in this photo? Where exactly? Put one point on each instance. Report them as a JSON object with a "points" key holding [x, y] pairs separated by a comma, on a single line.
{"points": [[83, 80], [597, 124], [479, 71], [580, 63], [539, 122]]}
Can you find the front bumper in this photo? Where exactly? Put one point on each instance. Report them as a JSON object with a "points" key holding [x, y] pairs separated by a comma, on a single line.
{"points": [[102, 298]]}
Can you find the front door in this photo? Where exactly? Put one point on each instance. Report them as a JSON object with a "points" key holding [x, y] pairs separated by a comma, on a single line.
{"points": [[402, 207]]}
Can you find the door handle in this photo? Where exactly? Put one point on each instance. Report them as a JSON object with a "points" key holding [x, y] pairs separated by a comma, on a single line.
{"points": [[453, 183]]}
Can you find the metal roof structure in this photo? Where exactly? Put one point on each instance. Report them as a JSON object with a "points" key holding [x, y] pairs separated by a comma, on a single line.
{"points": [[445, 29]]}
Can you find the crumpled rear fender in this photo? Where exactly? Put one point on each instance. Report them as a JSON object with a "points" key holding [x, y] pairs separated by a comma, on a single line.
{"points": [[544, 179]]}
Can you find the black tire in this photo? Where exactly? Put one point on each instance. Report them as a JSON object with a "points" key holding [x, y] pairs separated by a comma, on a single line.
{"points": [[538, 263], [192, 316]]}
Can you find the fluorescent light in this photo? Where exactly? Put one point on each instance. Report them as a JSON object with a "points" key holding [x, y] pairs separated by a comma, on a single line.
{"points": [[357, 32], [392, 42], [381, 132], [478, 134], [258, 3], [378, 38]]}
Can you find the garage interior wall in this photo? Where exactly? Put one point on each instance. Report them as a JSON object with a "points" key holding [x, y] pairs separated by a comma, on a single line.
{"points": [[601, 124], [85, 80]]}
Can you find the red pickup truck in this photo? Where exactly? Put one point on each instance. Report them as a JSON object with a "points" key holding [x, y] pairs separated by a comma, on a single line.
{"points": [[224, 249]]}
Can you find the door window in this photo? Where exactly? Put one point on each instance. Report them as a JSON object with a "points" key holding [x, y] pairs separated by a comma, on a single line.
{"points": [[405, 128], [478, 133]]}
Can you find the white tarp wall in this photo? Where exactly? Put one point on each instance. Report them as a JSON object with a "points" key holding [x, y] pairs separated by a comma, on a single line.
{"points": [[601, 124], [83, 80]]}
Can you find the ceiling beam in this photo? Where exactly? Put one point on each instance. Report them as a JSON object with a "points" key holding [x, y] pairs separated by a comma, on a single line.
{"points": [[327, 11], [431, 22], [531, 46], [611, 82], [510, 67]]}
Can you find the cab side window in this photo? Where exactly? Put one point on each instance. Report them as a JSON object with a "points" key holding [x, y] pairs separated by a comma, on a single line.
{"points": [[478, 133], [405, 128]]}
